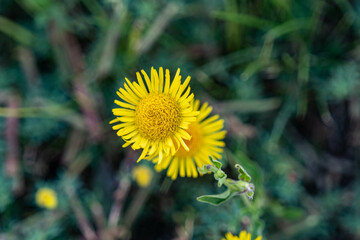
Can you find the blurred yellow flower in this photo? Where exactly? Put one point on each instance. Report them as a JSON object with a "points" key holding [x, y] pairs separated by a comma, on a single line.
{"points": [[242, 236], [207, 136], [142, 175], [154, 116], [46, 198]]}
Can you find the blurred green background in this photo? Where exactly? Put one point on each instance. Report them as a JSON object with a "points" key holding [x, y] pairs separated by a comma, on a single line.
{"points": [[284, 74]]}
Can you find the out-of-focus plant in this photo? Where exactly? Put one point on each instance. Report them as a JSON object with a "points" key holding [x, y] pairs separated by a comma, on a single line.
{"points": [[46, 198], [142, 175]]}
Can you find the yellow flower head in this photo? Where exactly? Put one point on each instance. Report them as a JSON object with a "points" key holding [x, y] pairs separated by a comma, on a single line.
{"points": [[242, 236], [154, 115], [207, 136], [46, 198], [142, 175]]}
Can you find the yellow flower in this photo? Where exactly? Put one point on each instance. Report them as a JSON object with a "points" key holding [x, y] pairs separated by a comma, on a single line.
{"points": [[207, 136], [154, 116], [46, 198], [242, 236], [142, 175]]}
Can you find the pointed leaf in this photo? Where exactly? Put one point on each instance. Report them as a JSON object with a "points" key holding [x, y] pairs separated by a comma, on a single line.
{"points": [[216, 199]]}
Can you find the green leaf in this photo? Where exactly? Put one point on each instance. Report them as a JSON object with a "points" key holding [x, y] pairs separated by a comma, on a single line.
{"points": [[244, 19], [216, 199], [16, 32], [216, 163], [288, 27], [243, 175]]}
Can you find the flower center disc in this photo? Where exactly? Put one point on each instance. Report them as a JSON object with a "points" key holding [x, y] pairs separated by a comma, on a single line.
{"points": [[194, 143], [157, 116]]}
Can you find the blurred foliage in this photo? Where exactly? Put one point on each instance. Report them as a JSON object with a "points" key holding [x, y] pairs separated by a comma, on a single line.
{"points": [[283, 74]]}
